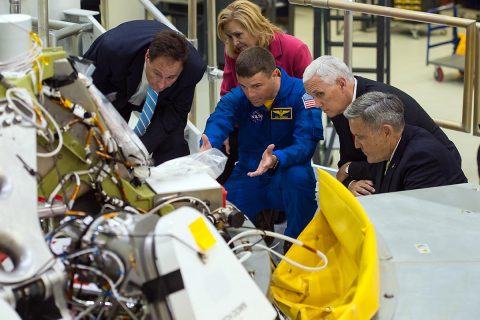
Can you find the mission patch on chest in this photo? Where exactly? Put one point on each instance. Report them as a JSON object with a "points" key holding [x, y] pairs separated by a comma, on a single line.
{"points": [[281, 113]]}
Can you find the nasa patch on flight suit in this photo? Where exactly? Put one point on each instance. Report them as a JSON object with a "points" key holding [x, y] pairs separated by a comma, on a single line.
{"points": [[281, 113]]}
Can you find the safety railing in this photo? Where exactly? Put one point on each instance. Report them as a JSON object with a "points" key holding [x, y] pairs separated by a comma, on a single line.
{"points": [[472, 62], [157, 14], [212, 69], [65, 29]]}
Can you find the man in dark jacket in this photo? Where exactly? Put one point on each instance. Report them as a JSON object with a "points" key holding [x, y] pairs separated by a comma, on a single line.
{"points": [[334, 88], [405, 157], [145, 66]]}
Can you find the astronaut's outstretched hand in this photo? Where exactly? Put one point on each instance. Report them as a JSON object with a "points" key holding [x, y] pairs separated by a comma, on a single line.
{"points": [[206, 145], [267, 162]]}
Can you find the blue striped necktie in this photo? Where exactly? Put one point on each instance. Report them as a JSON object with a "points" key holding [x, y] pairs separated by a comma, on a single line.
{"points": [[147, 112]]}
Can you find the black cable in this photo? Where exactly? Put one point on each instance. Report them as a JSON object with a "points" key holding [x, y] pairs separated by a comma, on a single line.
{"points": [[77, 247], [49, 235]]}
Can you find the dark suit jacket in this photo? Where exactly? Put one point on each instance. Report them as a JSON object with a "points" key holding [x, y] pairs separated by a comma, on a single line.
{"points": [[414, 115], [420, 161], [119, 57]]}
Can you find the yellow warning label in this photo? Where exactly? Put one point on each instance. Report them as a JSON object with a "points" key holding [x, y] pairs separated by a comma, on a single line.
{"points": [[203, 237]]}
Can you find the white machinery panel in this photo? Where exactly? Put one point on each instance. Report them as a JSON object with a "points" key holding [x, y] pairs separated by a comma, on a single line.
{"points": [[429, 249], [216, 286]]}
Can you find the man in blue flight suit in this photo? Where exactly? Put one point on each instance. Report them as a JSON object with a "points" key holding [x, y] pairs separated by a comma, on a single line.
{"points": [[279, 128]]}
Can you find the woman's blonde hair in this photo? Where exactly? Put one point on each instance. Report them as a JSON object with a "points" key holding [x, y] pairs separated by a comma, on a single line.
{"points": [[250, 17]]}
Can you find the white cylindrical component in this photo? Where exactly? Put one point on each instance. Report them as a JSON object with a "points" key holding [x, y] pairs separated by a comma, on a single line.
{"points": [[14, 35]]}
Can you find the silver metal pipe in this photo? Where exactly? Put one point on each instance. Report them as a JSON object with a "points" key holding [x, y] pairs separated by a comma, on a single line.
{"points": [[68, 31], [212, 52], [387, 12], [348, 37], [192, 22], [71, 31], [55, 209], [58, 24], [54, 24], [192, 37], [476, 109], [43, 22], [159, 16], [64, 29], [471, 54], [15, 6]]}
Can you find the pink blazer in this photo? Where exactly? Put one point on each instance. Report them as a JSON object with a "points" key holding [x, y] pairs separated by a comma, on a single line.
{"points": [[290, 53]]}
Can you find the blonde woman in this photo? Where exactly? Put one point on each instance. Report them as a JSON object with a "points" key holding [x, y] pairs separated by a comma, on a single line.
{"points": [[241, 25]]}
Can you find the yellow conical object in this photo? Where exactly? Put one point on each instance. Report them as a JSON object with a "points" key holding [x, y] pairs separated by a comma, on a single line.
{"points": [[349, 287]]}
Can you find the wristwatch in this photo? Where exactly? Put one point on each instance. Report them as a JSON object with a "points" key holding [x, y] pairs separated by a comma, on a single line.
{"points": [[275, 166], [346, 168]]}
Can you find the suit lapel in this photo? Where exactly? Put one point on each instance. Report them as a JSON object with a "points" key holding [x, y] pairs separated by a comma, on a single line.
{"points": [[390, 175], [135, 74]]}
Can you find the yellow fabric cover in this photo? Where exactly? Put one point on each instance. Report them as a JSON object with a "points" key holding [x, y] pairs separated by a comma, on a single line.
{"points": [[349, 287], [462, 44]]}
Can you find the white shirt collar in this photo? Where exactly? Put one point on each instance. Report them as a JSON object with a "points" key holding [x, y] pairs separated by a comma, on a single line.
{"points": [[354, 91], [394, 150], [139, 96]]}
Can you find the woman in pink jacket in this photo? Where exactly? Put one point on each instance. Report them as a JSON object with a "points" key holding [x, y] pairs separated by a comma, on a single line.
{"points": [[241, 25]]}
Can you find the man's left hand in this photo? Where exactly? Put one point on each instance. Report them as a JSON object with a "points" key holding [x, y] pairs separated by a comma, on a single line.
{"points": [[206, 145], [267, 162]]}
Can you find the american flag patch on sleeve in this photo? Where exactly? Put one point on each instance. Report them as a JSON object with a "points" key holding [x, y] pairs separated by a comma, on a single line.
{"points": [[308, 101]]}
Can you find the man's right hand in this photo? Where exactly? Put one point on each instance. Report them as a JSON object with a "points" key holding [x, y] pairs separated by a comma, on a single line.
{"points": [[361, 187], [205, 143]]}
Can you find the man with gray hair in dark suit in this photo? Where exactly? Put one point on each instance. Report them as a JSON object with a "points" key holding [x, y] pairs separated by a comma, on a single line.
{"points": [[405, 157]]}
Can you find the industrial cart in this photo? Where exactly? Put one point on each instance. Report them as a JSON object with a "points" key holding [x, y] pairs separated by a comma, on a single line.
{"points": [[457, 59]]}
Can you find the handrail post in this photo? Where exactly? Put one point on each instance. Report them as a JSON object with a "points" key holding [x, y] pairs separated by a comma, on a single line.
{"points": [[43, 22], [192, 37], [212, 53], [192, 23], [476, 110], [348, 37]]}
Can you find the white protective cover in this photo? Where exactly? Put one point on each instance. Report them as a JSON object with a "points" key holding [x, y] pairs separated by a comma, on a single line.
{"points": [[217, 287], [211, 162]]}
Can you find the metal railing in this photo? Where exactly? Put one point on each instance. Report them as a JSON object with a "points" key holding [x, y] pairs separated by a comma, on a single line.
{"points": [[157, 14], [212, 69], [63, 30], [472, 62]]}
